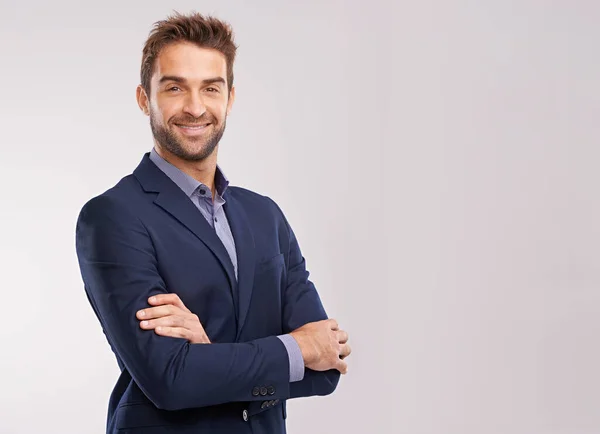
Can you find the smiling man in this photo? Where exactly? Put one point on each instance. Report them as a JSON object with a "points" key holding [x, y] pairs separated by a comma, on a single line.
{"points": [[200, 287]]}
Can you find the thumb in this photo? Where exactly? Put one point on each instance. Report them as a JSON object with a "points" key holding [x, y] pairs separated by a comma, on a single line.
{"points": [[342, 366]]}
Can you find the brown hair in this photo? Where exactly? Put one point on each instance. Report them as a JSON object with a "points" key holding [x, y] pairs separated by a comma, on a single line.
{"points": [[204, 31]]}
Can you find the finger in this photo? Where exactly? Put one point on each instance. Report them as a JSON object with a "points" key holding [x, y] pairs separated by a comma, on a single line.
{"points": [[333, 324], [171, 298], [342, 336], [157, 312], [165, 321], [342, 367], [173, 332], [345, 351]]}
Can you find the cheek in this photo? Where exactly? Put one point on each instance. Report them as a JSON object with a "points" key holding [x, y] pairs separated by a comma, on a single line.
{"points": [[219, 111], [217, 106], [164, 112]]}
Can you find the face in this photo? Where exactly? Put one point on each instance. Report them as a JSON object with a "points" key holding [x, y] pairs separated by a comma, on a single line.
{"points": [[189, 101]]}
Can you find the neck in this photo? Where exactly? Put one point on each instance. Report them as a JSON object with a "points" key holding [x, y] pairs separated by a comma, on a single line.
{"points": [[202, 171]]}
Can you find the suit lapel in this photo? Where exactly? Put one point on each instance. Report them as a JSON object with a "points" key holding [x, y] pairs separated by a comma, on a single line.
{"points": [[174, 201], [246, 255]]}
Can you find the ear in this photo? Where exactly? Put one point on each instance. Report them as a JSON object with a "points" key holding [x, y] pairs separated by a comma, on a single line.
{"points": [[142, 99], [231, 99]]}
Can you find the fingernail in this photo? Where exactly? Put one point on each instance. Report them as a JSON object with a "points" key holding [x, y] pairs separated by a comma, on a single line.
{"points": [[144, 323], [141, 313], [152, 299]]}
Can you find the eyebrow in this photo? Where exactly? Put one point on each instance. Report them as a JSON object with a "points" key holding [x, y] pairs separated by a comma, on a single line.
{"points": [[182, 80]]}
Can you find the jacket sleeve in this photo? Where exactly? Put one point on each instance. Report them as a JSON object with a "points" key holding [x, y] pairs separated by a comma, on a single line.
{"points": [[120, 271], [301, 305]]}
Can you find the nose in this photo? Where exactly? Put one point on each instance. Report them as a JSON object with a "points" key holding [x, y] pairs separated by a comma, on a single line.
{"points": [[194, 105]]}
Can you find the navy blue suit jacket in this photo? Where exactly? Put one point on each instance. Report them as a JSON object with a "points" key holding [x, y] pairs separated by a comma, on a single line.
{"points": [[144, 237]]}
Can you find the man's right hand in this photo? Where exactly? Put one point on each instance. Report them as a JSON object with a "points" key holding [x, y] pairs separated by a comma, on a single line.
{"points": [[170, 317], [324, 346]]}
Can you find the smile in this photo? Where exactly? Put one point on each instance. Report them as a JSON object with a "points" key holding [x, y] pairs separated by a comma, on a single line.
{"points": [[192, 129]]}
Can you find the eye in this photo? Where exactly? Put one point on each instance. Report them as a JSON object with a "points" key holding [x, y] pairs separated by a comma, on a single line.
{"points": [[212, 89], [171, 88]]}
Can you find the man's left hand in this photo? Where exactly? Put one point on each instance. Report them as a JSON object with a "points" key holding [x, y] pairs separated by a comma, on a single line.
{"points": [[170, 317]]}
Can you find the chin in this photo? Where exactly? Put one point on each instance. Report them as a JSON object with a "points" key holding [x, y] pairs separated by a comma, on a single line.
{"points": [[195, 154]]}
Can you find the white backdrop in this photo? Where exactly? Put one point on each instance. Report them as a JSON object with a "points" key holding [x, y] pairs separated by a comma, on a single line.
{"points": [[437, 160]]}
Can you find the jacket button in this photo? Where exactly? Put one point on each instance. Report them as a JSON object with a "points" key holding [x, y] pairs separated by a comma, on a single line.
{"points": [[245, 415], [256, 391], [271, 390], [263, 391], [264, 405]]}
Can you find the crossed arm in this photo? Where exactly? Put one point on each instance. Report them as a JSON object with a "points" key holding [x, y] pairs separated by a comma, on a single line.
{"points": [[118, 265]]}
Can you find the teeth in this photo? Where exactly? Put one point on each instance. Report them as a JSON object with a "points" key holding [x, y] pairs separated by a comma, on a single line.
{"points": [[192, 128]]}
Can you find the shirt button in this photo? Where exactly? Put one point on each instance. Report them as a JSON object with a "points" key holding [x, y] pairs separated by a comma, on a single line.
{"points": [[245, 415], [202, 191], [216, 219]]}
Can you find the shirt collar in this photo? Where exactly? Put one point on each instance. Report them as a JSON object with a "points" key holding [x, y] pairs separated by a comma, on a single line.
{"points": [[184, 181]]}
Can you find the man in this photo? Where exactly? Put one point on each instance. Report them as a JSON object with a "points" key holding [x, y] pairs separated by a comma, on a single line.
{"points": [[200, 287]]}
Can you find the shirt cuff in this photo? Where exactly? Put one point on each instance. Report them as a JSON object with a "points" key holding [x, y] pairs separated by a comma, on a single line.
{"points": [[295, 356]]}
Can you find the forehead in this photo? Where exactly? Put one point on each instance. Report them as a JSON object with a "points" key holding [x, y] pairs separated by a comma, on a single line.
{"points": [[187, 60]]}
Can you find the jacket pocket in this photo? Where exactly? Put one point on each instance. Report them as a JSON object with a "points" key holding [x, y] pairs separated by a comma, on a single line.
{"points": [[273, 262]]}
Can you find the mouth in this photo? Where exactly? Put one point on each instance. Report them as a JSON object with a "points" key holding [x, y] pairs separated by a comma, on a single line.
{"points": [[192, 129]]}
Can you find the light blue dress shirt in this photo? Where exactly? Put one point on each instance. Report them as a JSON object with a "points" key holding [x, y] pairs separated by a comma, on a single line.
{"points": [[214, 214]]}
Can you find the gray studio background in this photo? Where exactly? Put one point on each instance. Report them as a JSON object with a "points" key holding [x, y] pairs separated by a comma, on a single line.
{"points": [[438, 161]]}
